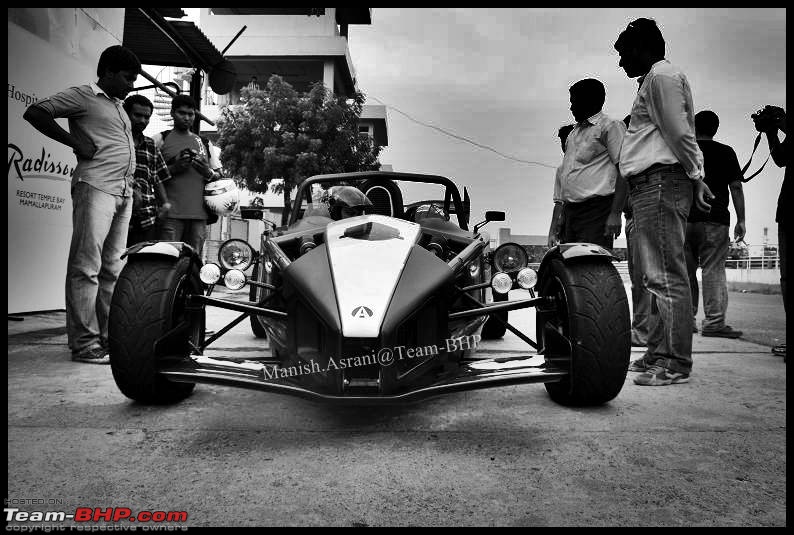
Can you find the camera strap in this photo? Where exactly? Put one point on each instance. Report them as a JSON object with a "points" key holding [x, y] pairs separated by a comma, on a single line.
{"points": [[747, 165]]}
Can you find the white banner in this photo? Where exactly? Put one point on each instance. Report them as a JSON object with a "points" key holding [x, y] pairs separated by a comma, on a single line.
{"points": [[40, 169]]}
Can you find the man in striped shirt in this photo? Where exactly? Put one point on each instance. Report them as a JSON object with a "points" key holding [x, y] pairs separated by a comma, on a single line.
{"points": [[663, 166], [150, 173]]}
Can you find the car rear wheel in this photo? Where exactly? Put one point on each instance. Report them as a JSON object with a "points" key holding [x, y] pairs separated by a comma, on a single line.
{"points": [[148, 302], [257, 322], [591, 311]]}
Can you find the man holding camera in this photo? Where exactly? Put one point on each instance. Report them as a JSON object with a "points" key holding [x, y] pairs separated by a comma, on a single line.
{"points": [[769, 120], [191, 165], [707, 241]]}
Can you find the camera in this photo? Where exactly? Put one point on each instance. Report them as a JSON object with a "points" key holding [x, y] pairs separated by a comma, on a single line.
{"points": [[767, 118]]}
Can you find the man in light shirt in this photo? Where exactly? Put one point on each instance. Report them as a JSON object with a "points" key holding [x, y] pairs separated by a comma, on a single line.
{"points": [[589, 192], [101, 136], [663, 166]]}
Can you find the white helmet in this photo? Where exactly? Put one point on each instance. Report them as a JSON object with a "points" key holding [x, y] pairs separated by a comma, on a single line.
{"points": [[222, 196]]}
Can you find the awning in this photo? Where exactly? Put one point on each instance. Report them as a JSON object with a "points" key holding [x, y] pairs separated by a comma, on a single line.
{"points": [[157, 41]]}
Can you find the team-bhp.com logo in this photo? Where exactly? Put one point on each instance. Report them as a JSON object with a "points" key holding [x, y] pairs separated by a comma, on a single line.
{"points": [[95, 514]]}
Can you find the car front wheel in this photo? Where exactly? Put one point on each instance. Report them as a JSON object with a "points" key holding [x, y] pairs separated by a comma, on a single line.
{"points": [[149, 302], [590, 309]]}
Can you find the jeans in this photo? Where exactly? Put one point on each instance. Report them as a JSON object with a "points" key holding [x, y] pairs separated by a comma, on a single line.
{"points": [[707, 246], [99, 233], [640, 299], [137, 235], [782, 250], [585, 221], [191, 231], [661, 201]]}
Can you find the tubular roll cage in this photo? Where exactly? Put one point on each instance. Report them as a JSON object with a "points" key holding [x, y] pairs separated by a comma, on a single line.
{"points": [[457, 264]]}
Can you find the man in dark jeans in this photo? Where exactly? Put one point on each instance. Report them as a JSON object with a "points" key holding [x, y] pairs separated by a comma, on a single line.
{"points": [[191, 166], [770, 123], [707, 240], [588, 188], [663, 165], [640, 300]]}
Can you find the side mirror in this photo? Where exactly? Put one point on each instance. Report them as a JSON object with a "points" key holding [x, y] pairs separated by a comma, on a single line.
{"points": [[490, 215]]}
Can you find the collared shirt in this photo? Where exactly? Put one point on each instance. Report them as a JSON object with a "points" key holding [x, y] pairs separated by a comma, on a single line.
{"points": [[662, 128], [150, 170], [95, 116], [590, 165]]}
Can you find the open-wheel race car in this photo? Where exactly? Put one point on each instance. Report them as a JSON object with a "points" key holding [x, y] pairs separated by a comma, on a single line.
{"points": [[384, 307]]}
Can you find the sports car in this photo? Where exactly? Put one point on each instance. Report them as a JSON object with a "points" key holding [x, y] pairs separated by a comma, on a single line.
{"points": [[385, 307]]}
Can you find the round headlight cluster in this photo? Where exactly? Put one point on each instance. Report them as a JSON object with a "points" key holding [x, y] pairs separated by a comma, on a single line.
{"points": [[510, 257], [234, 279], [236, 254], [527, 278], [501, 283], [210, 273]]}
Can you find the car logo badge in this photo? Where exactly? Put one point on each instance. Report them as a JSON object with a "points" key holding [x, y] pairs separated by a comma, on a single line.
{"points": [[362, 312]]}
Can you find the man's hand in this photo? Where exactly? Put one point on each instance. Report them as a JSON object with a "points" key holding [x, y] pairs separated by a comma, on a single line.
{"points": [[703, 196], [202, 168], [613, 225], [163, 210], [136, 199], [181, 163], [85, 149], [739, 231]]}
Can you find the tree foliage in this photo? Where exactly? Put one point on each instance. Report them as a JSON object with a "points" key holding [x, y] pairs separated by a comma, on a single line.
{"points": [[278, 133]]}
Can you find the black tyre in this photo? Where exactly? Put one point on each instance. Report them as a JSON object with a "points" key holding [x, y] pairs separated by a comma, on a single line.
{"points": [[149, 301], [493, 328], [255, 294], [592, 311]]}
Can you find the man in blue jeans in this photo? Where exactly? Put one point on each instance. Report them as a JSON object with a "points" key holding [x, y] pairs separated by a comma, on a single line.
{"points": [[663, 165], [707, 240], [101, 135]]}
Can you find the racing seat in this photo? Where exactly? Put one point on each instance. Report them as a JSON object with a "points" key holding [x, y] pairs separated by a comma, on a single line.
{"points": [[386, 197]]}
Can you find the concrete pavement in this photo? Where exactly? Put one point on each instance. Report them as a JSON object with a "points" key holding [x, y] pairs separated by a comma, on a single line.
{"points": [[708, 453]]}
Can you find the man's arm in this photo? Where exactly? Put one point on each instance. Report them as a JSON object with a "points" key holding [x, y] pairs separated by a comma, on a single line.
{"points": [[613, 139], [44, 122], [556, 225], [161, 174], [776, 148], [667, 107], [737, 194], [613, 223]]}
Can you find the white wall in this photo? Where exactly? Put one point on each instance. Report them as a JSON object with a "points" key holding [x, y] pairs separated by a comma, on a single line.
{"points": [[52, 49], [222, 28]]}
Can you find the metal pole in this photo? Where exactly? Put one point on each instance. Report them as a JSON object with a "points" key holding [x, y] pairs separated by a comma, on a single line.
{"points": [[170, 92]]}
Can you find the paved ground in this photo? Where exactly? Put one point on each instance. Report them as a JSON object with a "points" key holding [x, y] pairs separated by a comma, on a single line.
{"points": [[708, 453]]}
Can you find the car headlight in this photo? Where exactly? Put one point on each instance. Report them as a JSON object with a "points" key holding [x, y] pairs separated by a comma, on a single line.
{"points": [[510, 257], [234, 279], [236, 254], [210, 273], [501, 283], [527, 278]]}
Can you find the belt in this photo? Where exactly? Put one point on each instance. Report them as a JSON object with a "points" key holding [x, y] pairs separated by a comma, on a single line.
{"points": [[642, 176]]}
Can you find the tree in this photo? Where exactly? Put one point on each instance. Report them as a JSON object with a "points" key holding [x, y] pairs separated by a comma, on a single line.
{"points": [[282, 134]]}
